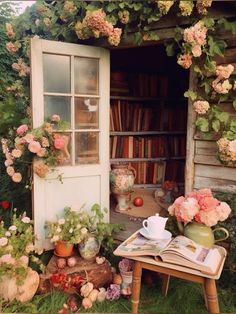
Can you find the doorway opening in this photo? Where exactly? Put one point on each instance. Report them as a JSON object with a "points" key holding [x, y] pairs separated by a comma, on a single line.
{"points": [[148, 123]]}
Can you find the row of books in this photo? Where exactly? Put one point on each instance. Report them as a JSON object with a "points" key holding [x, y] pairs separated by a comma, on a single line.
{"points": [[134, 116], [148, 172], [139, 84], [147, 146]]}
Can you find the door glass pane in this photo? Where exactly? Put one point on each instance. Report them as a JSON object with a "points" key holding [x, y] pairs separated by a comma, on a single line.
{"points": [[86, 76], [58, 105], [62, 142], [56, 73], [86, 113], [86, 148]]}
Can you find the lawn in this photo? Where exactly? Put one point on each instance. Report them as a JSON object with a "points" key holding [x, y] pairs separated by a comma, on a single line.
{"points": [[183, 297]]}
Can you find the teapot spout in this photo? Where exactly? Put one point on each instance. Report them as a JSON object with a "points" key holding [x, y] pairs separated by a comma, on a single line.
{"points": [[180, 227]]}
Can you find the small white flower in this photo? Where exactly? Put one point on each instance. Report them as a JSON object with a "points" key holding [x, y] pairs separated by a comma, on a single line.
{"points": [[8, 234], [25, 220], [78, 226], [84, 230], [71, 230], [29, 248], [55, 238], [3, 241], [58, 230], [61, 221], [12, 228]]}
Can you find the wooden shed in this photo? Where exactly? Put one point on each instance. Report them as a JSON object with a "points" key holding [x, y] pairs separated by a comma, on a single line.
{"points": [[151, 123]]}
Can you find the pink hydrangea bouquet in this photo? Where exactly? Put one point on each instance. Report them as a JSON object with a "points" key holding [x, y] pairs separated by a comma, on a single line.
{"points": [[46, 145], [199, 206]]}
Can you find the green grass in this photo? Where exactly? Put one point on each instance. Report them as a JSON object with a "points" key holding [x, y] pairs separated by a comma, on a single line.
{"points": [[183, 297]]}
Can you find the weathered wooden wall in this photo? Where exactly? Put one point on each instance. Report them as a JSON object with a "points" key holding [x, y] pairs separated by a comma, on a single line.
{"points": [[203, 169]]}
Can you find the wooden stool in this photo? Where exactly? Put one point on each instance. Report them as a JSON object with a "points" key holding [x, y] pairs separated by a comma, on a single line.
{"points": [[167, 270]]}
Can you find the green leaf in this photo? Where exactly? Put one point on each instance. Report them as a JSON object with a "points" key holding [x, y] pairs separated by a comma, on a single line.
{"points": [[216, 125], [208, 22], [138, 38], [111, 7], [222, 116], [216, 47], [170, 49], [190, 94], [207, 86], [198, 70], [137, 6], [229, 26], [202, 124], [234, 104], [210, 65]]}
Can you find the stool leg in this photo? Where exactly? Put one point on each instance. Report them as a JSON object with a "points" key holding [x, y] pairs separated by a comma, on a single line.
{"points": [[136, 285], [165, 284], [211, 296]]}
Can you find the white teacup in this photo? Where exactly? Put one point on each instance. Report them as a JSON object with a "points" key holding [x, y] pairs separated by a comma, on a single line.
{"points": [[155, 225]]}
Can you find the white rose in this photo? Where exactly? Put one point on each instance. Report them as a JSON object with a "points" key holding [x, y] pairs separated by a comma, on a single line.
{"points": [[84, 230], [61, 221], [3, 241], [8, 234], [25, 220], [12, 228]]}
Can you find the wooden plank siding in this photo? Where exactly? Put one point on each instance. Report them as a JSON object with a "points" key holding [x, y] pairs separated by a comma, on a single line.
{"points": [[208, 171]]}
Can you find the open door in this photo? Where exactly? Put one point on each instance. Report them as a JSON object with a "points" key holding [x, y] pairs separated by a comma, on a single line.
{"points": [[72, 81]]}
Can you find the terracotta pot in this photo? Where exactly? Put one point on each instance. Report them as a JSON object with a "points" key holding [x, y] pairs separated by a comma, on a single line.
{"points": [[63, 248]]}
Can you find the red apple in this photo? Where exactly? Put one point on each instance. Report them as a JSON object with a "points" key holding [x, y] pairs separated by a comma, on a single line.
{"points": [[138, 201]]}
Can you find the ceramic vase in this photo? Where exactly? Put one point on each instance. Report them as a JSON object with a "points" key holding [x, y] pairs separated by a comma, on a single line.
{"points": [[89, 248], [122, 178], [63, 248]]}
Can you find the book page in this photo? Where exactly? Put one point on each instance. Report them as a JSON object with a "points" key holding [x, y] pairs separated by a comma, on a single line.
{"points": [[138, 245], [207, 258]]}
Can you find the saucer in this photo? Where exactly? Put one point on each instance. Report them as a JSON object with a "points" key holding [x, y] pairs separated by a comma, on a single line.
{"points": [[166, 235]]}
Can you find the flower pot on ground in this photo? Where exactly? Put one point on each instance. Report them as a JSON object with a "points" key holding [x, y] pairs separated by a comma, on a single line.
{"points": [[63, 248], [126, 271]]}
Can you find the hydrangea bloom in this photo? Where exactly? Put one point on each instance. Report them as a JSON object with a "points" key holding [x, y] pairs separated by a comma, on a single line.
{"points": [[201, 106], [200, 206]]}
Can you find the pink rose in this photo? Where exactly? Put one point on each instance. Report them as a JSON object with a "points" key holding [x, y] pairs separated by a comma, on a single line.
{"points": [[34, 147], [208, 203], [17, 177], [59, 142], [22, 129], [223, 211], [41, 152], [16, 153], [10, 171], [55, 118], [29, 137]]}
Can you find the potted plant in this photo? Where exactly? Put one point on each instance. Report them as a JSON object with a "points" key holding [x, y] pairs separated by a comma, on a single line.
{"points": [[99, 233], [86, 229], [66, 231]]}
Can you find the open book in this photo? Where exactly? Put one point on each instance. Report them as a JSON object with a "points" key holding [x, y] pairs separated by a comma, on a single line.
{"points": [[180, 251]]}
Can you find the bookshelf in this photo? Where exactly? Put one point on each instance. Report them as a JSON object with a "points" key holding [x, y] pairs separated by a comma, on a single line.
{"points": [[147, 128]]}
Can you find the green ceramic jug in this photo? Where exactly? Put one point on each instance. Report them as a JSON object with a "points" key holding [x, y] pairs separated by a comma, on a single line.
{"points": [[201, 234]]}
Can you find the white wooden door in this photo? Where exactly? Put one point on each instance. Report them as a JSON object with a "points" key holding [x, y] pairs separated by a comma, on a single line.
{"points": [[72, 81]]}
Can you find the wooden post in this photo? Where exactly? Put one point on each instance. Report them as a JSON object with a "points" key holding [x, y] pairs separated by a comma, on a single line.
{"points": [[211, 296], [136, 286], [190, 148]]}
